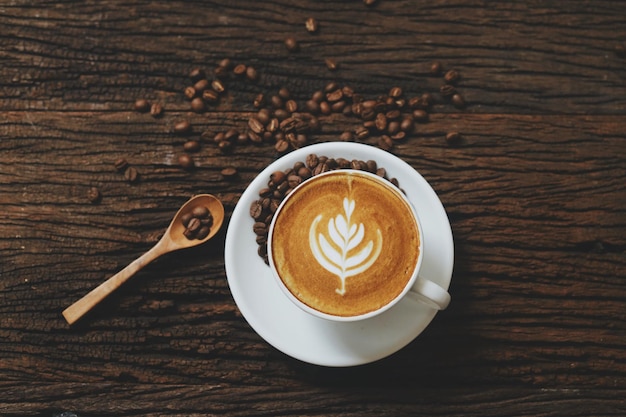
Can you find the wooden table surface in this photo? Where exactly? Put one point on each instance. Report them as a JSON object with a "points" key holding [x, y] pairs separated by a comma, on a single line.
{"points": [[534, 192]]}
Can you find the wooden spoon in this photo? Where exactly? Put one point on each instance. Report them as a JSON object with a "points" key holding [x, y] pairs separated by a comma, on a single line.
{"points": [[172, 240]]}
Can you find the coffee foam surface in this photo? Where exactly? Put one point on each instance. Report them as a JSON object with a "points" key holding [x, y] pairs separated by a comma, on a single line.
{"points": [[345, 244]]}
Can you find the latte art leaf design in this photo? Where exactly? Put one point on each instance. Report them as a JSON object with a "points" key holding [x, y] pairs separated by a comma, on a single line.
{"points": [[335, 253]]}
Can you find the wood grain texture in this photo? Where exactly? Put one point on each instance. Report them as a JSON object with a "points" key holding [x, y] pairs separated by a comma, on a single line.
{"points": [[535, 195]]}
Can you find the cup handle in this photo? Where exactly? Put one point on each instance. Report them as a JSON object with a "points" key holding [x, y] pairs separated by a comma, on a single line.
{"points": [[429, 293]]}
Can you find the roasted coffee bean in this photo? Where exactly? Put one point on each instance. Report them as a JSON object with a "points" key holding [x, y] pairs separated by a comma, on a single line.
{"points": [[304, 173], [259, 101], [362, 133], [385, 143], [240, 69], [142, 105], [121, 164], [420, 116], [395, 92], [210, 96], [318, 96], [226, 63], [393, 114], [312, 106], [451, 77], [93, 195], [346, 136], [325, 108], [393, 127], [292, 45], [191, 146], [156, 110], [371, 165], [334, 95], [196, 74], [381, 172], [273, 125], [190, 92], [185, 218], [427, 100], [435, 68], [281, 114], [281, 146], [370, 125], [225, 146], [255, 125], [256, 210], [447, 90], [251, 74], [284, 93], [277, 102], [381, 122], [291, 106], [278, 177], [458, 101], [231, 134], [201, 85], [294, 181], [220, 72], [398, 136], [311, 25], [264, 116], [186, 161], [407, 124], [242, 138], [203, 232], [197, 105], [312, 160], [338, 106], [131, 175], [254, 137], [229, 172], [331, 64], [454, 138], [182, 128], [219, 137], [369, 3], [218, 86], [194, 224], [200, 212]]}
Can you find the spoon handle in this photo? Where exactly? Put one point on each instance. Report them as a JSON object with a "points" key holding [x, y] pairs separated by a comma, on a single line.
{"points": [[91, 299]]}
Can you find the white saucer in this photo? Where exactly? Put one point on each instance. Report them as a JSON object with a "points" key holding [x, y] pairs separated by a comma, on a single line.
{"points": [[317, 341]]}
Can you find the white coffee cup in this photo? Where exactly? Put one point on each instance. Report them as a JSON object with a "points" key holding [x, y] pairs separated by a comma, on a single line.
{"points": [[417, 287]]}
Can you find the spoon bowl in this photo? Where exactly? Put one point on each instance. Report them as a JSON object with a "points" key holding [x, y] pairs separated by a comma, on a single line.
{"points": [[173, 239], [176, 228]]}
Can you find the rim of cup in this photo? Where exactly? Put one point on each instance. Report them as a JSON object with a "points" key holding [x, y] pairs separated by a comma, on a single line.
{"points": [[410, 282]]}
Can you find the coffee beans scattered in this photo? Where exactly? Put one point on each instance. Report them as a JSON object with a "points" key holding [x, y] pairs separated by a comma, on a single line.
{"points": [[197, 223], [292, 44], [186, 161], [311, 25], [281, 183], [454, 138], [142, 105], [131, 175], [156, 110], [93, 195]]}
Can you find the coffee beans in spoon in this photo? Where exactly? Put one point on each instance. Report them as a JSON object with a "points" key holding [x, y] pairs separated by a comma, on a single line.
{"points": [[197, 223]]}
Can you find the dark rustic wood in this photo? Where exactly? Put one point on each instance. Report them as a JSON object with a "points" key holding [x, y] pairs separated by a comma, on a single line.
{"points": [[535, 194]]}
